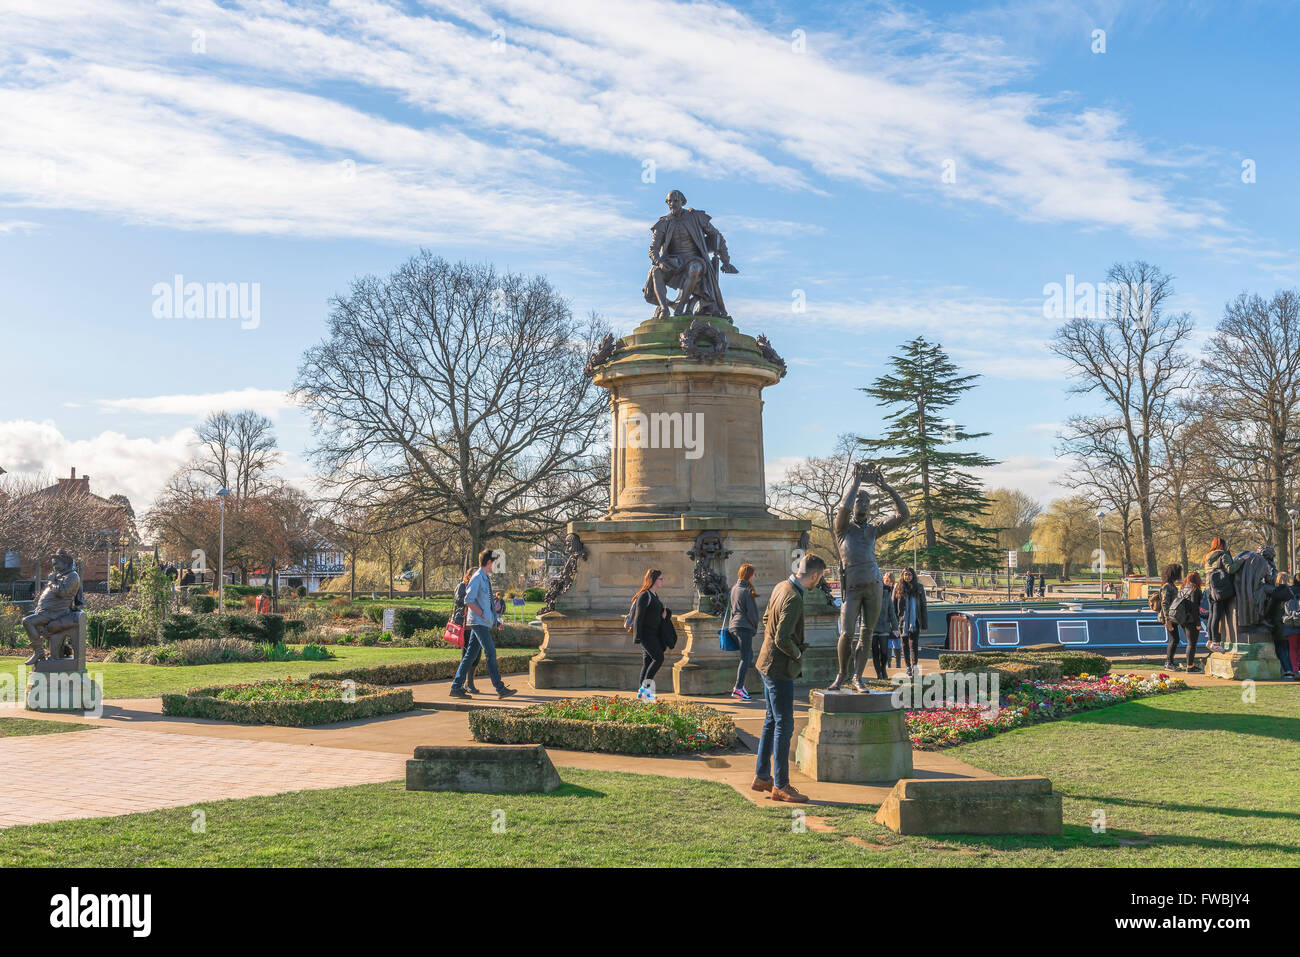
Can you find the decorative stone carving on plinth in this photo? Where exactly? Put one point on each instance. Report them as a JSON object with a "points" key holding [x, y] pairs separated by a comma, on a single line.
{"points": [[1249, 652], [56, 629], [854, 737], [562, 582]]}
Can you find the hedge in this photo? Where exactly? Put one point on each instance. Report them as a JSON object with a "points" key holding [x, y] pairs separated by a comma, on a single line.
{"points": [[370, 702], [267, 628], [534, 594], [1072, 663], [415, 672], [406, 621], [525, 726], [108, 629]]}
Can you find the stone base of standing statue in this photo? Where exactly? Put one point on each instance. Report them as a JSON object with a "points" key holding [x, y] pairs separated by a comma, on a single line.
{"points": [[58, 686], [854, 738], [1253, 658]]}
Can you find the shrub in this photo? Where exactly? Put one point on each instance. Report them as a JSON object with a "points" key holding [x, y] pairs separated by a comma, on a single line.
{"points": [[406, 621], [110, 629], [201, 604], [416, 672], [197, 651], [535, 593], [263, 707], [294, 627], [375, 613], [519, 636], [1071, 662], [620, 725]]}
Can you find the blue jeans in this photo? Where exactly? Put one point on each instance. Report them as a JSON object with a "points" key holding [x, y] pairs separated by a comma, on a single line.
{"points": [[480, 640], [778, 728], [745, 638]]}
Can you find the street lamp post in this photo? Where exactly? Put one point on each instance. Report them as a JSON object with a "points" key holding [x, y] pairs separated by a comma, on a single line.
{"points": [[1101, 556], [1292, 512], [222, 495]]}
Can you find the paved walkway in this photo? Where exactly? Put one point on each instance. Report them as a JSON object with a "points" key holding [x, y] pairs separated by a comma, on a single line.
{"points": [[116, 770]]}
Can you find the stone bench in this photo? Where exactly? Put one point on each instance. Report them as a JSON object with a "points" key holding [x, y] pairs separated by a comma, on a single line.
{"points": [[484, 769], [972, 806]]}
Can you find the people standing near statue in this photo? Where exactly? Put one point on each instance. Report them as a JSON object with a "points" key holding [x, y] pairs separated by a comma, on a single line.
{"points": [[648, 614], [780, 662], [1170, 583], [1184, 613], [1291, 631], [1220, 567], [882, 636], [742, 622], [860, 578], [480, 618], [913, 617]]}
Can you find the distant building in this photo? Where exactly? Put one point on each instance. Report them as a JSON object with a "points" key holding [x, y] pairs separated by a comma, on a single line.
{"points": [[326, 561]]}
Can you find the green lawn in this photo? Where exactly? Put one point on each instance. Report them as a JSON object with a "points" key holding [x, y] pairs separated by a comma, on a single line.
{"points": [[1197, 778], [152, 681], [19, 727]]}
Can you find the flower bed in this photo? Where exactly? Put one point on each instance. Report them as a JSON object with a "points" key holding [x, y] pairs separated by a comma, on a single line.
{"points": [[1030, 702], [619, 725], [289, 702], [414, 672]]}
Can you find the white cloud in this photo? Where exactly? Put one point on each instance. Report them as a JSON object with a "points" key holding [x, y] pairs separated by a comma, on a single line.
{"points": [[115, 463], [110, 108], [269, 402]]}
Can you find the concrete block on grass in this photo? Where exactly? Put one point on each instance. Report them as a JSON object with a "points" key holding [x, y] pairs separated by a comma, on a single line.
{"points": [[972, 806], [483, 769]]}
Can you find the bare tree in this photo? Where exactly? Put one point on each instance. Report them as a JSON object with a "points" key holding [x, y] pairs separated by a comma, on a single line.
{"points": [[811, 488], [1102, 472], [456, 395], [1133, 359], [39, 516], [237, 452], [1249, 397]]}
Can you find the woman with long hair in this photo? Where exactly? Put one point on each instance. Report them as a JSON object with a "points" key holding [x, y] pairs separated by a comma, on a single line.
{"points": [[1220, 566], [1170, 582], [909, 605], [742, 622], [882, 635], [1192, 590], [648, 614]]}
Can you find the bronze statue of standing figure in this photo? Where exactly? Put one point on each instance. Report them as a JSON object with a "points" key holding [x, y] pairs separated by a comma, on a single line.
{"points": [[686, 253], [861, 585], [56, 609]]}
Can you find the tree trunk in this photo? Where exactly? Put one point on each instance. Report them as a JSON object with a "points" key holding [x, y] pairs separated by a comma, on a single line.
{"points": [[352, 585]]}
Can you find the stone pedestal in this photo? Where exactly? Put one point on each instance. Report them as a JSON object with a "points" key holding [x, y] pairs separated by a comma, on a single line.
{"points": [[854, 738], [687, 458], [972, 806], [483, 769], [1252, 657], [63, 684]]}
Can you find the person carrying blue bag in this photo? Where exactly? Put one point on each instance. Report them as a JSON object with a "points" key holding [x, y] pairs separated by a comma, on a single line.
{"points": [[740, 625]]}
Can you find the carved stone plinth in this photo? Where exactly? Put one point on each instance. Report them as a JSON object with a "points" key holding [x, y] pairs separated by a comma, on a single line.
{"points": [[1252, 657], [854, 738]]}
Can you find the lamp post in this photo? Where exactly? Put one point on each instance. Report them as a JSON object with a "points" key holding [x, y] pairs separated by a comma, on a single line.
{"points": [[1101, 557], [1292, 512], [222, 495]]}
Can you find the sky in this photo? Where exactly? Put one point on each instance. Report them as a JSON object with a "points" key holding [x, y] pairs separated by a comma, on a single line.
{"points": [[879, 170]]}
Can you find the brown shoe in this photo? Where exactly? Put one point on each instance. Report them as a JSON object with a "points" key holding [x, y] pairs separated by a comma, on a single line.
{"points": [[760, 785], [789, 794]]}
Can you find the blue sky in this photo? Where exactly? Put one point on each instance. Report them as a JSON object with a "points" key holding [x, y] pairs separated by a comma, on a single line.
{"points": [[296, 147]]}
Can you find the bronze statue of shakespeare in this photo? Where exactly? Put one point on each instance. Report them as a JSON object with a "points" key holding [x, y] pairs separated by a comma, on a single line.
{"points": [[686, 253], [861, 586], [56, 609]]}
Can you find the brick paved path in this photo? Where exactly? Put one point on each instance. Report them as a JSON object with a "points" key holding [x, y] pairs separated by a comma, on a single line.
{"points": [[109, 771]]}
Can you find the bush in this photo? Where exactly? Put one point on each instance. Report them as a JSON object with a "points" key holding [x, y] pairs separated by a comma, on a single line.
{"points": [[197, 651], [201, 604], [294, 627], [406, 621], [535, 594], [534, 725], [416, 672], [1071, 663], [519, 636], [110, 629], [375, 613], [369, 702], [257, 628]]}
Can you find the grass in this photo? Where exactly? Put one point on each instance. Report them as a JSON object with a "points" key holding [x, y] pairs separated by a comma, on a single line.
{"points": [[1193, 779], [153, 681], [21, 727]]}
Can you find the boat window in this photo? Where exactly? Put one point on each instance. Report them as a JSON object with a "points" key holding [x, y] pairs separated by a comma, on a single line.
{"points": [[1151, 633], [1072, 632], [1004, 633]]}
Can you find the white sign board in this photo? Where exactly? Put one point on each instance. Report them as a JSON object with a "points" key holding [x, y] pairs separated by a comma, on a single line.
{"points": [[1013, 559]]}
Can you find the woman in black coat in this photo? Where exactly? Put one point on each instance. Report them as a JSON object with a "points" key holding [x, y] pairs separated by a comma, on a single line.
{"points": [[909, 606], [648, 616]]}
